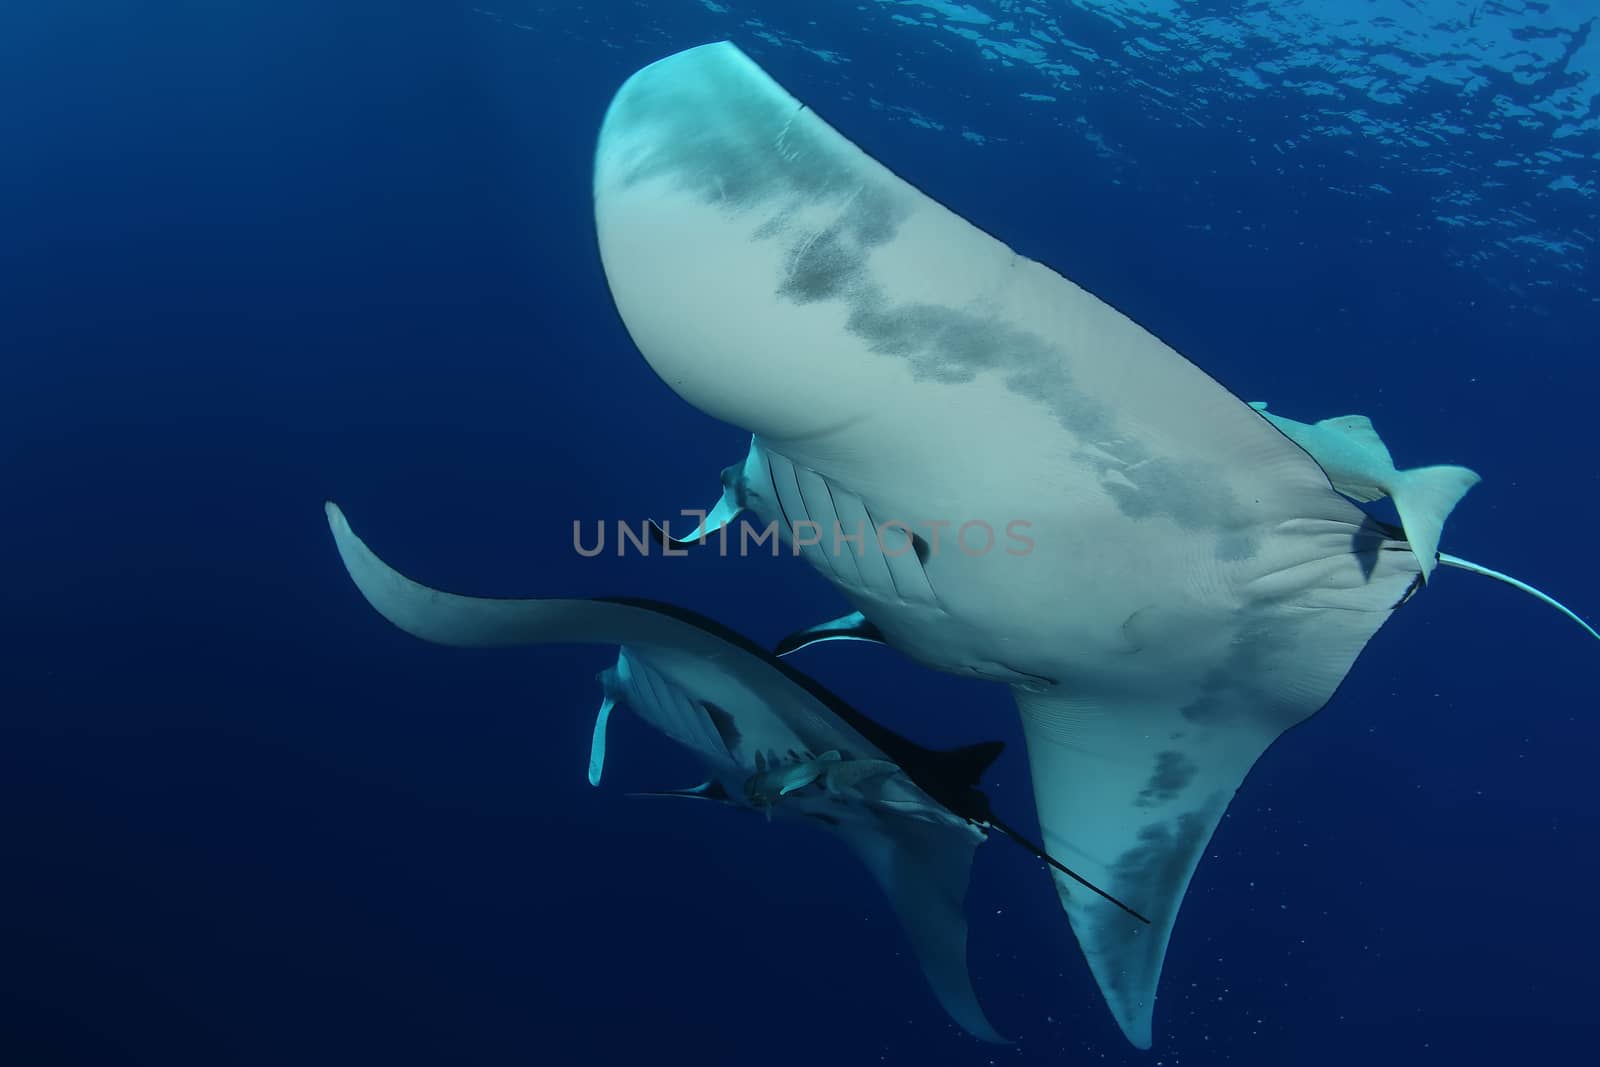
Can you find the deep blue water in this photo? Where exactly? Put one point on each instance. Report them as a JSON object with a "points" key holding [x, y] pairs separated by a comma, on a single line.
{"points": [[253, 256]]}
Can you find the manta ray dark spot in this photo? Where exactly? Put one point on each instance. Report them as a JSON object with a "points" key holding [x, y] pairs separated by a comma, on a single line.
{"points": [[1166, 853], [831, 263], [1230, 688], [1235, 547], [1183, 491], [1145, 486], [1172, 775], [822, 268]]}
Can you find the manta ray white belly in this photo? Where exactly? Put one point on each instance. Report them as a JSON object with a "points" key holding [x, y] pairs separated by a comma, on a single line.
{"points": [[1194, 587]]}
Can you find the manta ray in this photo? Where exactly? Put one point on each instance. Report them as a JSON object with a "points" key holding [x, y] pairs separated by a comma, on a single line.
{"points": [[1006, 478], [770, 738]]}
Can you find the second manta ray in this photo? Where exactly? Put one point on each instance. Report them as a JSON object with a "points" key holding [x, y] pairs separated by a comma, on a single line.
{"points": [[1034, 488], [771, 740]]}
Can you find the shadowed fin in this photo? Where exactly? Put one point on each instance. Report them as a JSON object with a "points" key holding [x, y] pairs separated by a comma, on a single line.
{"points": [[965, 766], [923, 868], [726, 727], [1476, 568], [597, 747], [1424, 497], [851, 627]]}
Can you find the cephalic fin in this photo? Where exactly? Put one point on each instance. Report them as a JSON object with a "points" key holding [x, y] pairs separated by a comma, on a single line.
{"points": [[726, 510], [851, 627], [597, 747]]}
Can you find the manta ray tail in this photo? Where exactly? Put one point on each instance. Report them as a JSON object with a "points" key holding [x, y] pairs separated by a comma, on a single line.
{"points": [[1424, 497], [1476, 568]]}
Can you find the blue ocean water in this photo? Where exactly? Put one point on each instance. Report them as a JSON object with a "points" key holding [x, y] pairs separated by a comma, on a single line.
{"points": [[256, 256]]}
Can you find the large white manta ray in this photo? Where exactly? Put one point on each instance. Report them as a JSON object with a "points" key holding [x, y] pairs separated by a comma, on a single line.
{"points": [[771, 739], [1172, 581]]}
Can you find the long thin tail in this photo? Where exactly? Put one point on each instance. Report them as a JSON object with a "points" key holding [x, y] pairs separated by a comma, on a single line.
{"points": [[1475, 568], [1424, 497]]}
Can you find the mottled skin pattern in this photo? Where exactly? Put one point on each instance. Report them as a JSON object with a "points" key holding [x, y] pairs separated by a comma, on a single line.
{"points": [[1196, 586]]}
